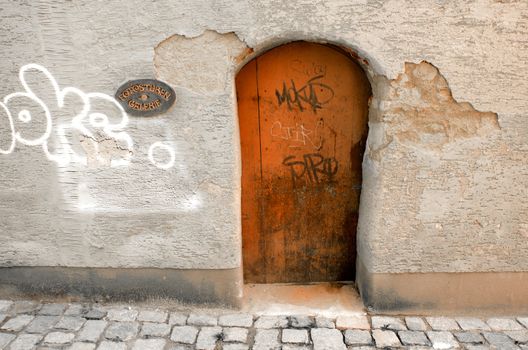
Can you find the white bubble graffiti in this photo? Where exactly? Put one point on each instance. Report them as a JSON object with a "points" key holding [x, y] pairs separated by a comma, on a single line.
{"points": [[86, 124], [162, 165]]}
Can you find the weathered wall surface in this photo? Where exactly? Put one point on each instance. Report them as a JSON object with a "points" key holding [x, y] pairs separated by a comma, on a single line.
{"points": [[445, 185]]}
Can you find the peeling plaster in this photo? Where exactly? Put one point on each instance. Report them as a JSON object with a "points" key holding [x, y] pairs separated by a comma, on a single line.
{"points": [[417, 109]]}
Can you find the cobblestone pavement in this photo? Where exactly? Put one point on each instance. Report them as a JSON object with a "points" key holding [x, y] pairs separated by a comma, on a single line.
{"points": [[31, 325]]}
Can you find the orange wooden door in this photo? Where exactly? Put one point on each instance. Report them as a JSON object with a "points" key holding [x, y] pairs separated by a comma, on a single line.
{"points": [[303, 122]]}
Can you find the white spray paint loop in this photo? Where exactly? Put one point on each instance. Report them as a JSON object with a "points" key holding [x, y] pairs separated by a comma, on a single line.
{"points": [[12, 127], [162, 165], [79, 123]]}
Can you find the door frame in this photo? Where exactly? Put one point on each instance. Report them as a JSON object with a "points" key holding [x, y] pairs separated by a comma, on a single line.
{"points": [[370, 72]]}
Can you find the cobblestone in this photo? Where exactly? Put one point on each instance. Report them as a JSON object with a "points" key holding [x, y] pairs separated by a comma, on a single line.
{"points": [[149, 344], [238, 347], [121, 331], [94, 314], [52, 309], [324, 322], [357, 337], [207, 338], [415, 324], [5, 305], [122, 315], [235, 334], [25, 341], [72, 327], [522, 320], [6, 338], [504, 324], [269, 322], [70, 323], [92, 330], [74, 310], [442, 324], [518, 336], [177, 319], [82, 346], [352, 322], [385, 338], [41, 324], [152, 316], [184, 334], [297, 336], [59, 338], [266, 339], [17, 323], [392, 323], [24, 307], [150, 329], [112, 345], [413, 338], [469, 337], [327, 339], [236, 320], [472, 324], [299, 321], [442, 340], [500, 340], [202, 320]]}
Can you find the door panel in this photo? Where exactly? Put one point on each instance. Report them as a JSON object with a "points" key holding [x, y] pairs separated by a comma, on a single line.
{"points": [[303, 122]]}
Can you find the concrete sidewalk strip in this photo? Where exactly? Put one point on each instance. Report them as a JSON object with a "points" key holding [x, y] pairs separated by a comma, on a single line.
{"points": [[29, 325]]}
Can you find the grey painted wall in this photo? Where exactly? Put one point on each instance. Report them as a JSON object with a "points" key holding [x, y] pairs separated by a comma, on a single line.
{"points": [[451, 197]]}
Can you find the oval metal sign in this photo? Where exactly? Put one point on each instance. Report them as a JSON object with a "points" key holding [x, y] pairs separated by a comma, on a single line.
{"points": [[145, 97]]}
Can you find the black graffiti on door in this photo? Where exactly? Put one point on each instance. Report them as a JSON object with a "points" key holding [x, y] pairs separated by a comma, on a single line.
{"points": [[313, 168], [313, 94]]}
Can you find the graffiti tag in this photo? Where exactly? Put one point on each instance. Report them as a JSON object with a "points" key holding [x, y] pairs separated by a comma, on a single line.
{"points": [[299, 135], [312, 168], [313, 94]]}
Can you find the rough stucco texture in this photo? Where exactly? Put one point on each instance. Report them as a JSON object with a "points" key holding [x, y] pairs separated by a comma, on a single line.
{"points": [[445, 185]]}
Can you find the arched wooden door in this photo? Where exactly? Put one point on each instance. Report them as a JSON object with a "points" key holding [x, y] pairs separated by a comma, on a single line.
{"points": [[303, 121]]}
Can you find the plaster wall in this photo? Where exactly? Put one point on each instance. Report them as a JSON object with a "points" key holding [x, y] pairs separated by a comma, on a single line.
{"points": [[445, 184]]}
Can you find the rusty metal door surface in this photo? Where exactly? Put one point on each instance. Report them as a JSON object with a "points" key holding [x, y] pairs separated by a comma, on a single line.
{"points": [[303, 122]]}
